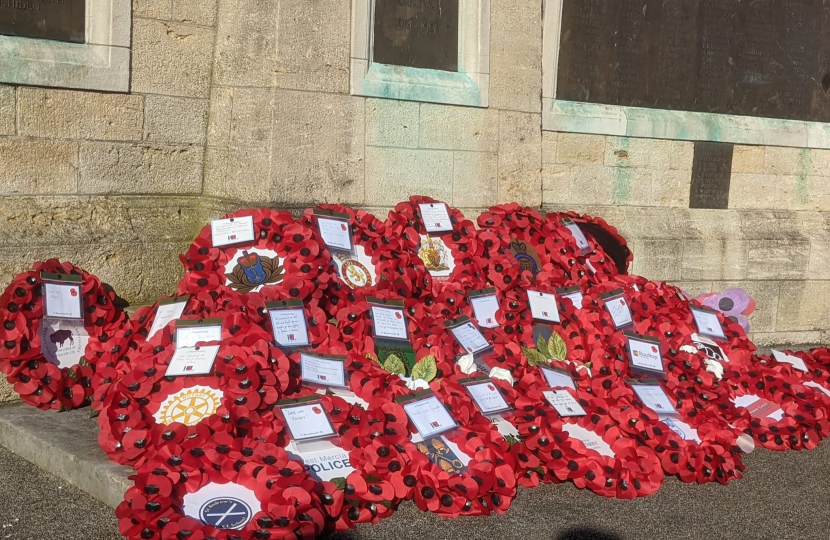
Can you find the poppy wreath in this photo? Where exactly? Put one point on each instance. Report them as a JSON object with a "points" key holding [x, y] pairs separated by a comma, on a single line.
{"points": [[804, 420], [610, 254], [381, 263], [447, 256], [624, 469], [487, 483], [164, 501], [25, 359], [147, 411], [519, 232], [817, 362], [113, 363], [200, 304], [286, 255]]}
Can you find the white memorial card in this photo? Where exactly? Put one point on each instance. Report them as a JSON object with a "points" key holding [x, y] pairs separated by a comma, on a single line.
{"points": [[289, 327], [591, 440], [617, 306], [794, 361], [654, 397], [166, 313], [487, 397], [323, 371], [389, 322], [190, 336], [307, 421], [63, 300], [564, 403], [558, 378], [579, 236], [645, 354], [543, 306], [192, 361], [436, 217], [485, 308], [707, 323], [225, 232], [335, 233], [429, 416], [325, 463], [470, 337]]}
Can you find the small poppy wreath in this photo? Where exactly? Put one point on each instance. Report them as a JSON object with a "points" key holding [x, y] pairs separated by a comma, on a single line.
{"points": [[486, 485], [615, 465], [610, 255], [803, 417], [817, 362], [147, 411], [223, 488], [201, 304], [31, 350], [285, 255]]}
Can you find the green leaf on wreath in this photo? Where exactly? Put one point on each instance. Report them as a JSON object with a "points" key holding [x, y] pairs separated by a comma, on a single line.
{"points": [[534, 357], [395, 365], [94, 414], [557, 347], [372, 478], [542, 347], [339, 482], [425, 369], [72, 375], [387, 504], [372, 357], [82, 362]]}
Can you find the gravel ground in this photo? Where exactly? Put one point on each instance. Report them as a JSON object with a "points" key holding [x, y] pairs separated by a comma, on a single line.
{"points": [[783, 496]]}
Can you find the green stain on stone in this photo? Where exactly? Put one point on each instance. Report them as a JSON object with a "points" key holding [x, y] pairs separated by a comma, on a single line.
{"points": [[802, 178], [621, 173]]}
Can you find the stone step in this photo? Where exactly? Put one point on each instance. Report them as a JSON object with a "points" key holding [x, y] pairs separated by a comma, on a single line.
{"points": [[64, 444]]}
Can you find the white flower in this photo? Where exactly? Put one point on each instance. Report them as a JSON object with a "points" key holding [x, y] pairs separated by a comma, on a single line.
{"points": [[466, 364], [691, 349], [501, 373], [715, 368], [415, 384]]}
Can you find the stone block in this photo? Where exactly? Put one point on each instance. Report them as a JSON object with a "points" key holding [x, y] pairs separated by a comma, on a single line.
{"points": [[475, 180], [705, 224], [7, 393], [246, 42], [557, 184], [36, 166], [635, 152], [694, 288], [248, 175], [140, 168], [785, 340], [514, 88], [219, 120], [8, 110], [392, 123], [67, 114], [801, 306], [580, 149], [747, 159], [817, 192], [313, 46], [395, 174], [577, 184], [252, 119], [819, 162], [550, 146], [172, 59], [671, 188], [682, 155], [774, 224], [175, 119], [515, 32], [640, 223], [201, 12], [445, 127], [779, 160], [658, 260], [816, 227], [152, 9], [520, 158], [751, 190], [765, 294], [777, 259], [318, 149], [714, 259]]}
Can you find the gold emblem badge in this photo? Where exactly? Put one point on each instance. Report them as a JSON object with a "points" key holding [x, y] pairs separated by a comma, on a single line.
{"points": [[353, 272], [253, 271], [434, 254], [189, 406], [441, 455], [526, 256]]}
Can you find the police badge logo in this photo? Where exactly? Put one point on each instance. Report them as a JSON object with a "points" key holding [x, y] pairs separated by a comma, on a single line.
{"points": [[189, 406], [250, 270]]}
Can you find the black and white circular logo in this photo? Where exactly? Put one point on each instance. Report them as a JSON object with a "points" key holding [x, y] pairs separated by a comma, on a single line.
{"points": [[226, 513]]}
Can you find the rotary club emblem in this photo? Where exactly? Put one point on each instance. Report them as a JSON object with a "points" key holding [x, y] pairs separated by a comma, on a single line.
{"points": [[249, 271], [189, 406], [353, 272]]}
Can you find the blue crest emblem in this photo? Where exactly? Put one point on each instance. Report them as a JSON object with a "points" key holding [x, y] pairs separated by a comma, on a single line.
{"points": [[226, 513]]}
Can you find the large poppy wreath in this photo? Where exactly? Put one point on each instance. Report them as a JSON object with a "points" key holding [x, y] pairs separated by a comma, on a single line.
{"points": [[147, 411], [285, 255], [51, 362], [223, 488]]}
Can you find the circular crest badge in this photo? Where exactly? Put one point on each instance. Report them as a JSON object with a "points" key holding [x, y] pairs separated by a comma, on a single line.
{"points": [[226, 513], [189, 406]]}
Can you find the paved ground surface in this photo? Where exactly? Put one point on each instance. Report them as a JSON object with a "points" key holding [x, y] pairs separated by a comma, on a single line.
{"points": [[783, 496]]}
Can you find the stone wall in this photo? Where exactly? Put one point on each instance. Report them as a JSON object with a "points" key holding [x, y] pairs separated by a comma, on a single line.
{"points": [[237, 102]]}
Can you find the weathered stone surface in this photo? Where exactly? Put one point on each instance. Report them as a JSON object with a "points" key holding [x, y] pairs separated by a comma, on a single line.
{"points": [[780, 340], [475, 179], [7, 393], [714, 259], [175, 119], [318, 148], [514, 88], [671, 188], [556, 183], [682, 155], [694, 288], [34, 166], [753, 191], [153, 9], [515, 77], [580, 149], [747, 159], [67, 114], [8, 110], [520, 158], [633, 152], [765, 294], [219, 120], [800, 306], [816, 227], [777, 259], [399, 173], [171, 59], [658, 260], [202, 12], [445, 127], [782, 161], [392, 123], [702, 224], [140, 168], [771, 224], [246, 42], [550, 147]]}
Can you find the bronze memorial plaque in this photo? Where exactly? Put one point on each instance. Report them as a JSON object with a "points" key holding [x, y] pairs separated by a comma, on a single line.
{"points": [[417, 33], [765, 58], [711, 173], [60, 20]]}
